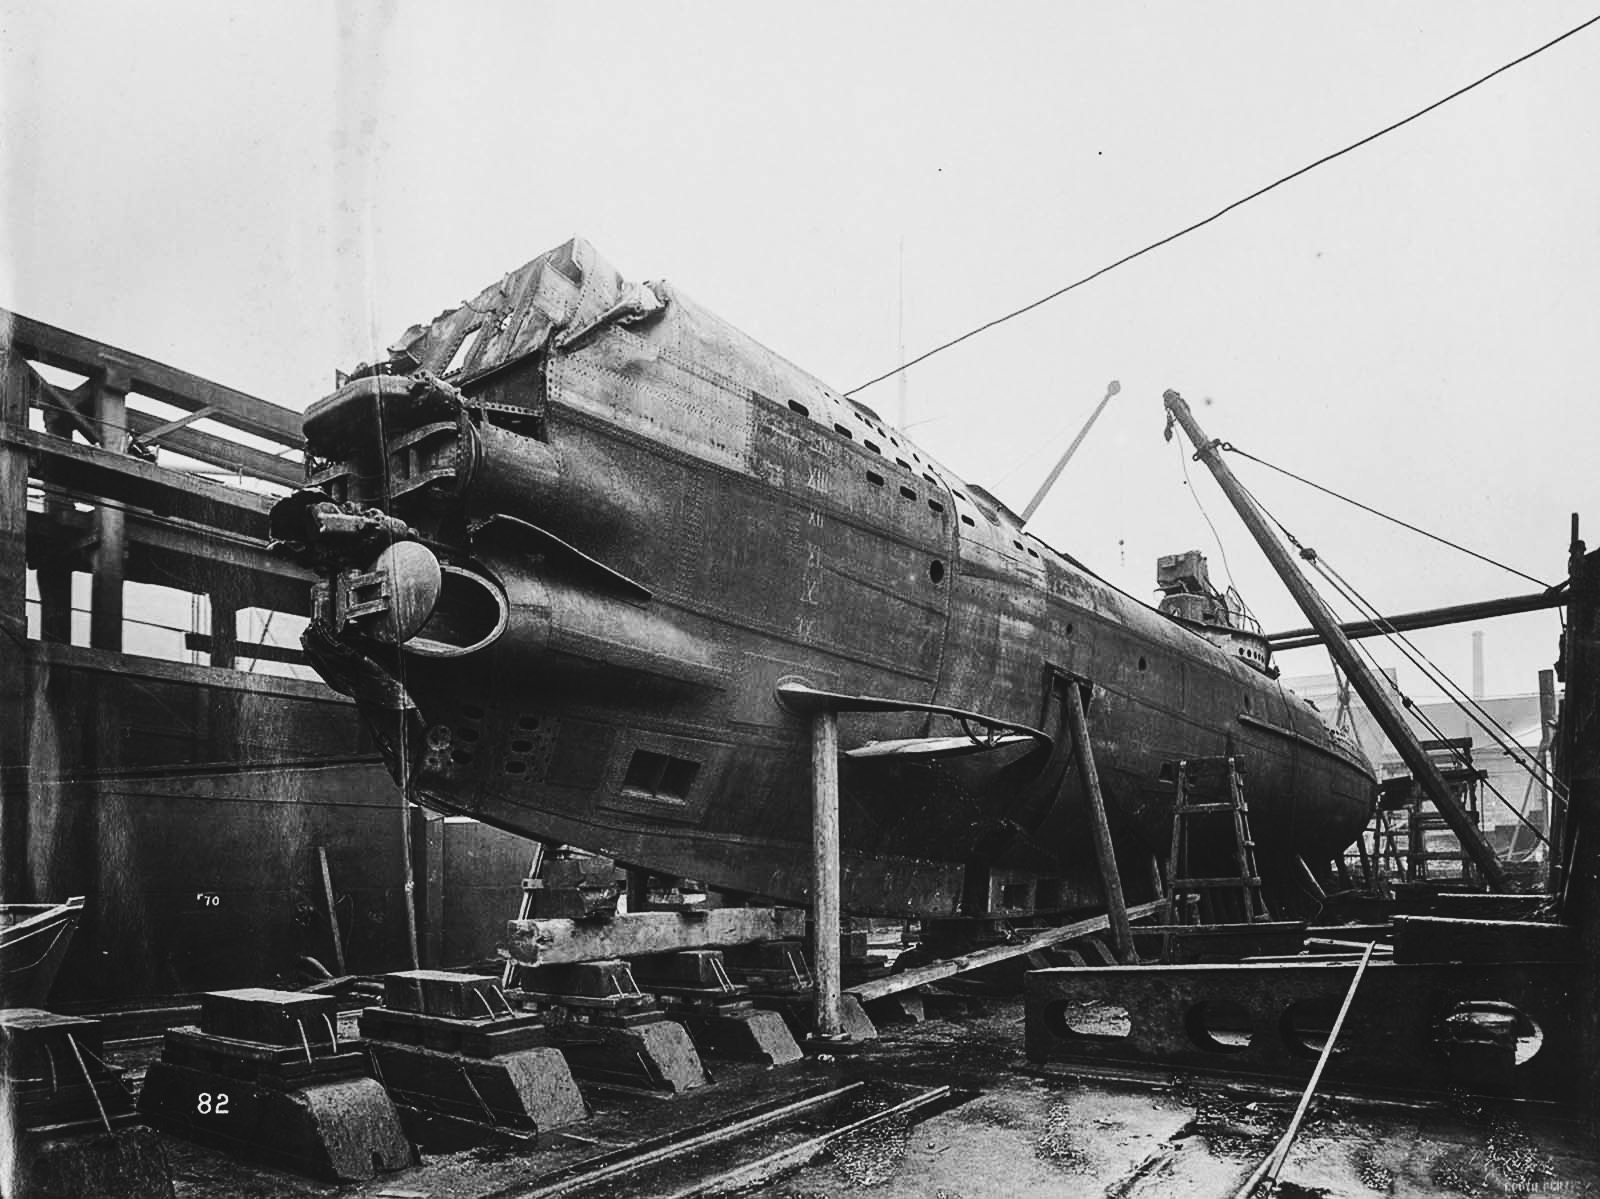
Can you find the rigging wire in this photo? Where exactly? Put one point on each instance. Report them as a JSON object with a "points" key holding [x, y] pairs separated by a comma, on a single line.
{"points": [[1417, 658], [1421, 717], [1486, 722], [1231, 448], [1183, 461], [1427, 722], [1474, 710], [1221, 212]]}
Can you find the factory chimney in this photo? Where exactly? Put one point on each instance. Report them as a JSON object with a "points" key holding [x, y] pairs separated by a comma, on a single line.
{"points": [[1477, 666]]}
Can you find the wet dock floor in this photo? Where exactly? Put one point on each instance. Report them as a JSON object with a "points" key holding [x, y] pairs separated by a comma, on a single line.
{"points": [[1006, 1129]]}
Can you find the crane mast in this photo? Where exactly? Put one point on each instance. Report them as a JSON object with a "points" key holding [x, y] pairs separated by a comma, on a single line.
{"points": [[1383, 708]]}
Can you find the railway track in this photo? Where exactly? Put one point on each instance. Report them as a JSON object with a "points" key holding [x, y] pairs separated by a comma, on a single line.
{"points": [[726, 1156]]}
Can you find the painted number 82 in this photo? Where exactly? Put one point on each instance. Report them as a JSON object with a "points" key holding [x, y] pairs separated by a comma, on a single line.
{"points": [[209, 1105]]}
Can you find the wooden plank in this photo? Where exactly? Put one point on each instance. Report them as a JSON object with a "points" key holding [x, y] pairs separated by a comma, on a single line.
{"points": [[934, 971], [78, 658], [257, 651], [161, 550], [1454, 939], [545, 942], [129, 480], [218, 451], [84, 356]]}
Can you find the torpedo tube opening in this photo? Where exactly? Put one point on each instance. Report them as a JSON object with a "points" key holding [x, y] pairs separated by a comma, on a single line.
{"points": [[470, 614]]}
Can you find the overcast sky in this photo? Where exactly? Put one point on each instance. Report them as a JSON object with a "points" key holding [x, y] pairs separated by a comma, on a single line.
{"points": [[261, 193]]}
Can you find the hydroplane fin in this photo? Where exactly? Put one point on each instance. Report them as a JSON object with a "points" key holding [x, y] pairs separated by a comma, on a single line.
{"points": [[929, 748], [808, 701]]}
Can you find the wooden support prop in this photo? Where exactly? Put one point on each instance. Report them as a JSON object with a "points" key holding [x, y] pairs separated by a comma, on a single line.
{"points": [[110, 522], [406, 860], [1369, 879], [548, 942], [825, 916], [333, 915], [934, 971], [1317, 892], [1272, 1165], [224, 647], [15, 651], [525, 907], [1105, 853], [427, 841]]}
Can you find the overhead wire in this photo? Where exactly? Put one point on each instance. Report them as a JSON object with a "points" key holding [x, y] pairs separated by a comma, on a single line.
{"points": [[1479, 715], [1222, 212], [1422, 718], [1431, 670], [1183, 461], [1453, 691], [1231, 448], [1483, 719]]}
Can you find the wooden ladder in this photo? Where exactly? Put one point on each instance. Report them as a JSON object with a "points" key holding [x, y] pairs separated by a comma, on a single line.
{"points": [[1212, 787]]}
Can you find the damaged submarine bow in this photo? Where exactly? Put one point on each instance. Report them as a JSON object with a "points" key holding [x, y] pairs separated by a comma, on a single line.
{"points": [[574, 536]]}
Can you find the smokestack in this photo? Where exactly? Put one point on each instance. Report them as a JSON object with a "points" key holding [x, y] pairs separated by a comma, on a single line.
{"points": [[1477, 666]]}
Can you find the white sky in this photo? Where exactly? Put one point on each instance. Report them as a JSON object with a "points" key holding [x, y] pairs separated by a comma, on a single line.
{"points": [[260, 193]]}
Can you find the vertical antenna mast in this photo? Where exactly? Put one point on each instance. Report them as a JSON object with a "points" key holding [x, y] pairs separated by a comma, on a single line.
{"points": [[904, 414]]}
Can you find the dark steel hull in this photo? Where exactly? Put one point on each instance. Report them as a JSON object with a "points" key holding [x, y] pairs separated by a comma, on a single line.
{"points": [[193, 807], [647, 522]]}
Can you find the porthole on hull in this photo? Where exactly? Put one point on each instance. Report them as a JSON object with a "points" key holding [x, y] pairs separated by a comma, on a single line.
{"points": [[470, 614]]}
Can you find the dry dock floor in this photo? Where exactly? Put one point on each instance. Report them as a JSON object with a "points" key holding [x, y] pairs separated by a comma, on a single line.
{"points": [[1010, 1129]]}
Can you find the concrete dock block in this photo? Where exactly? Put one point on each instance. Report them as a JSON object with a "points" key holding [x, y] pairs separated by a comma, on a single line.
{"points": [[658, 1055], [527, 1092], [746, 1034], [347, 1130]]}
